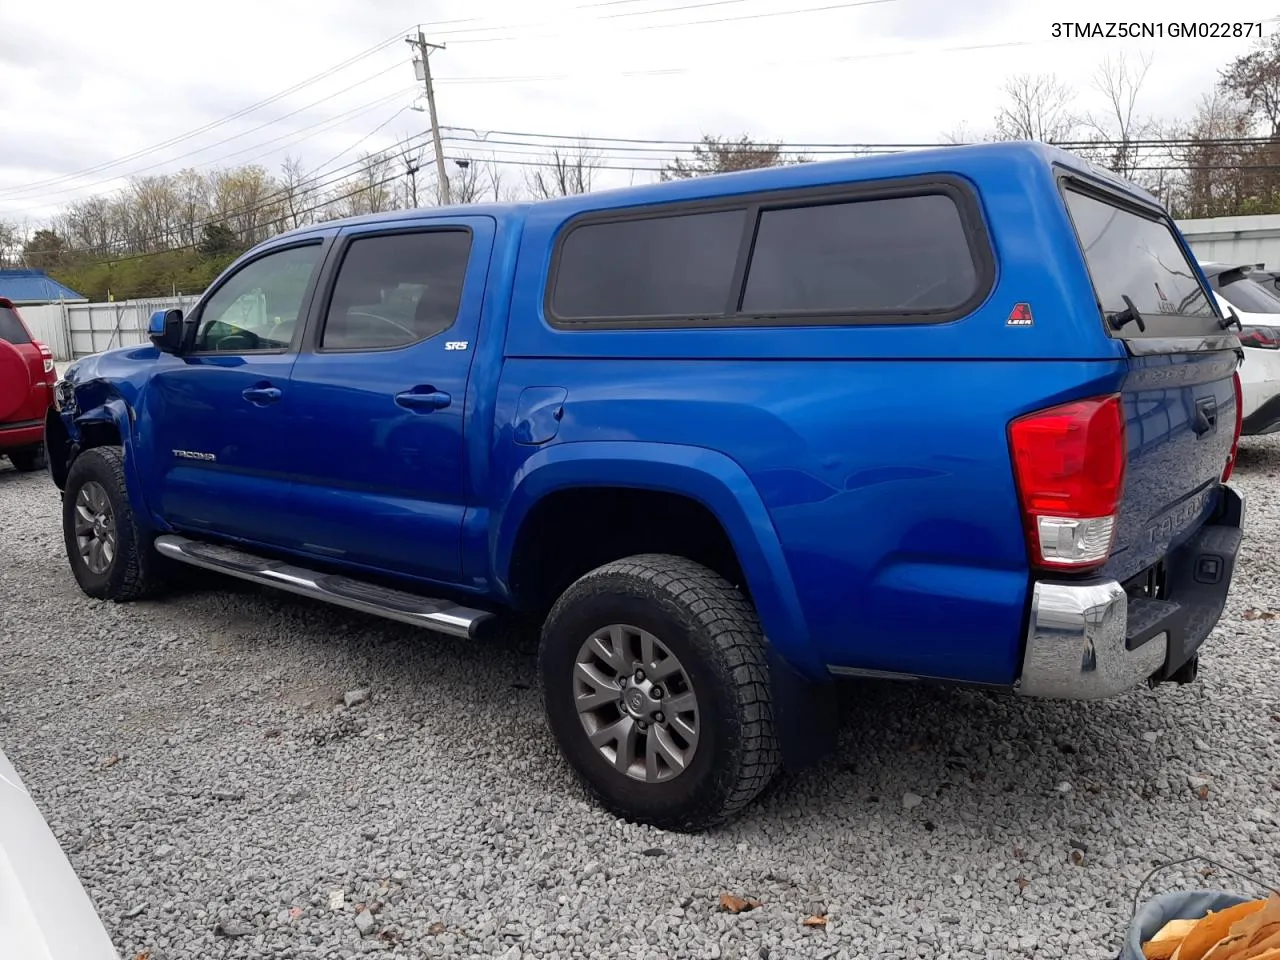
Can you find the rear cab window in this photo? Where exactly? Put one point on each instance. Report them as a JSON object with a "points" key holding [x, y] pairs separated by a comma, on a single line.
{"points": [[11, 327], [1131, 251], [907, 253]]}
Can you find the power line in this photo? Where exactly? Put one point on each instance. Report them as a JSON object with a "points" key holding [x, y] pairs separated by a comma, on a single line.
{"points": [[191, 246], [455, 35], [190, 153], [310, 184], [376, 130], [590, 141], [243, 111]]}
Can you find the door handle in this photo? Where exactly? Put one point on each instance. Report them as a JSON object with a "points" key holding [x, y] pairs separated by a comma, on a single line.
{"points": [[262, 395], [424, 400]]}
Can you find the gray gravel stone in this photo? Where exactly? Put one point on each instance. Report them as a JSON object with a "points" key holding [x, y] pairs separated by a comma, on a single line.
{"points": [[482, 835], [354, 697], [365, 923]]}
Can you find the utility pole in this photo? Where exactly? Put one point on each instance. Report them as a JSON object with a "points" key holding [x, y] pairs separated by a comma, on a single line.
{"points": [[424, 74]]}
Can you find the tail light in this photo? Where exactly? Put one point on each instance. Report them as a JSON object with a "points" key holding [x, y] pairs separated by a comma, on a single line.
{"points": [[46, 355], [1264, 338], [1235, 440], [1069, 465]]}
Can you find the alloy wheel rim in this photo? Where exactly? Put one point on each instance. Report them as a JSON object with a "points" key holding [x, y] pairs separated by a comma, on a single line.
{"points": [[636, 703], [95, 528]]}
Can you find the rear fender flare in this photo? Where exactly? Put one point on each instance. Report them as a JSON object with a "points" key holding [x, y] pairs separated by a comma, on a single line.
{"points": [[711, 478]]}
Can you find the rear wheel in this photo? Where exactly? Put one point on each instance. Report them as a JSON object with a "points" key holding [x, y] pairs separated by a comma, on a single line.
{"points": [[27, 459], [110, 557], [657, 691]]}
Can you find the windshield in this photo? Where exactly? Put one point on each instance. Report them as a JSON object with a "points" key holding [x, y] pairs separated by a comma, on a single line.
{"points": [[1250, 296], [1130, 254]]}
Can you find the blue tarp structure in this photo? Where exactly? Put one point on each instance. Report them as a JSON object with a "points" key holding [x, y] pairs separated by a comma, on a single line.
{"points": [[27, 287]]}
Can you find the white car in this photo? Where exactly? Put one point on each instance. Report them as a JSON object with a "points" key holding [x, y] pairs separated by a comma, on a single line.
{"points": [[45, 913], [1259, 312]]}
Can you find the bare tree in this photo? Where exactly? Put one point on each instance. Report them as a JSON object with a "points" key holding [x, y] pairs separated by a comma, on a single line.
{"points": [[1255, 79], [410, 156], [94, 223], [1036, 108], [192, 189], [564, 173], [297, 195], [1120, 83], [962, 133], [467, 183], [722, 155], [368, 190], [10, 244], [1215, 182], [499, 190]]}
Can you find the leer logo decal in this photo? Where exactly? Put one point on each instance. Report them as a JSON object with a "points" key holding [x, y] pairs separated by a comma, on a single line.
{"points": [[1020, 316]]}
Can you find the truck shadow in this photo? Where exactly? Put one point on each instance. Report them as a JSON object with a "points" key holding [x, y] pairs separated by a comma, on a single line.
{"points": [[912, 759]]}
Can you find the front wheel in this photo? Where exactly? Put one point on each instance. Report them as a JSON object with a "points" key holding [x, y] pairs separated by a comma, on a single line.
{"points": [[657, 690], [110, 558]]}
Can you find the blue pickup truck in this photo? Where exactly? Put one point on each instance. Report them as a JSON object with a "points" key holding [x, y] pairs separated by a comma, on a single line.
{"points": [[964, 415]]}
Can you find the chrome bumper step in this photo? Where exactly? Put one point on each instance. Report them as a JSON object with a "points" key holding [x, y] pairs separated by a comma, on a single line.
{"points": [[443, 616]]}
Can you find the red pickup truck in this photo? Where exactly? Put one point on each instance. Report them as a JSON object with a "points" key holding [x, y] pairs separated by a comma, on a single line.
{"points": [[26, 390]]}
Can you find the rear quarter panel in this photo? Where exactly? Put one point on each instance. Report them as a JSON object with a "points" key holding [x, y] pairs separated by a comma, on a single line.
{"points": [[895, 508]]}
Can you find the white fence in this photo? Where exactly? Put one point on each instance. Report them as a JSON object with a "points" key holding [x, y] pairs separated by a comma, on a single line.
{"points": [[49, 325], [74, 330]]}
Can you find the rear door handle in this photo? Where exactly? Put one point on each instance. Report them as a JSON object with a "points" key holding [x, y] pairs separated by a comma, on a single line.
{"points": [[262, 395], [424, 399]]}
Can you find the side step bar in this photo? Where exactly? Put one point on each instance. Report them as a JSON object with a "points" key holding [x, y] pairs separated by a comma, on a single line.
{"points": [[442, 616]]}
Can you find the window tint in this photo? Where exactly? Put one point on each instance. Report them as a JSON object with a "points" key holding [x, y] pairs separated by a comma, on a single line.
{"points": [[397, 289], [1134, 256], [11, 327], [906, 254], [258, 307], [655, 267]]}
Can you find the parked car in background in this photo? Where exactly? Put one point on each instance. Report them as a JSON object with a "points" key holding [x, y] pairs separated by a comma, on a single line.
{"points": [[727, 439], [27, 379], [1258, 308], [45, 913]]}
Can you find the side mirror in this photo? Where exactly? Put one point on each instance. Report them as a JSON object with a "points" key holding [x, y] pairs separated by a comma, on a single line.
{"points": [[165, 330]]}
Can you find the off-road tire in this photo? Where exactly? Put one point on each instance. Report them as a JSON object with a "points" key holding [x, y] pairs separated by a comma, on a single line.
{"points": [[28, 459], [133, 572], [708, 624]]}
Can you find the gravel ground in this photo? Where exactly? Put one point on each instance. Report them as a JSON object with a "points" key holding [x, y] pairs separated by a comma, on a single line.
{"points": [[198, 763]]}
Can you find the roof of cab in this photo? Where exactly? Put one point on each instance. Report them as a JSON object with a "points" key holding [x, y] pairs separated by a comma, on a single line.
{"points": [[973, 158]]}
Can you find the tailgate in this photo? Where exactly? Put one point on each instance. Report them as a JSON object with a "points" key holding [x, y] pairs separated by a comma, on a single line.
{"points": [[1179, 394]]}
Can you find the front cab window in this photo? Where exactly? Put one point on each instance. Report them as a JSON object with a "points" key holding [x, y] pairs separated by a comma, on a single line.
{"points": [[259, 307]]}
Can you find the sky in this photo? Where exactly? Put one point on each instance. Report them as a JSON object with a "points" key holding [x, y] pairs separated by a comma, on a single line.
{"points": [[92, 93]]}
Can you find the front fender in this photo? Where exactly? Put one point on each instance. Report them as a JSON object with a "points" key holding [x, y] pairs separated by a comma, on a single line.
{"points": [[711, 478], [114, 411]]}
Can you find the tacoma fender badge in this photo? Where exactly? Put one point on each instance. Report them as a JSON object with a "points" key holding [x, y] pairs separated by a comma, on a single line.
{"points": [[194, 455], [1020, 316]]}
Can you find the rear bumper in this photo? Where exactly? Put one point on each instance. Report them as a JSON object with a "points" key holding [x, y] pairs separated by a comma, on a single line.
{"points": [[1265, 419], [1092, 639]]}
